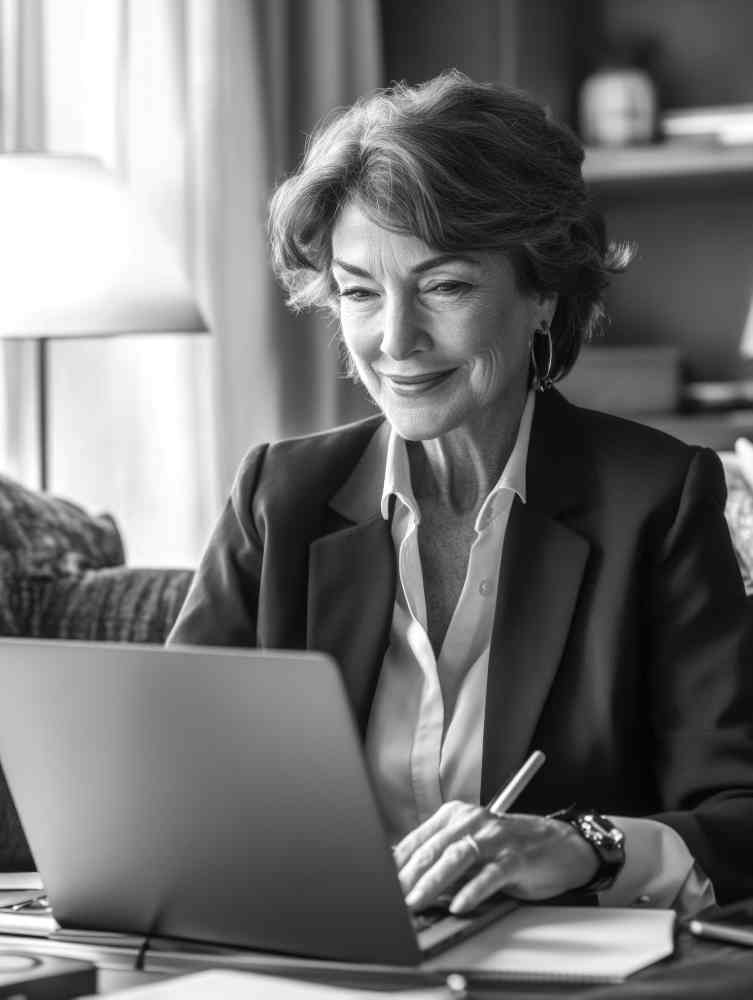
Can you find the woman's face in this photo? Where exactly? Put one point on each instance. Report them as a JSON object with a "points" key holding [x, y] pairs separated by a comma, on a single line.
{"points": [[440, 341]]}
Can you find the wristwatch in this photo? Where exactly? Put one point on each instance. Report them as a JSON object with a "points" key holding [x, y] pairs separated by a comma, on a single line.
{"points": [[607, 841]]}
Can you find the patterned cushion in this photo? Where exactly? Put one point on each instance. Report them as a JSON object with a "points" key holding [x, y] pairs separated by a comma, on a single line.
{"points": [[41, 535], [112, 605], [45, 538]]}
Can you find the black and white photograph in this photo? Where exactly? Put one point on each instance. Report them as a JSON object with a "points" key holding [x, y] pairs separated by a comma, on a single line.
{"points": [[376, 499]]}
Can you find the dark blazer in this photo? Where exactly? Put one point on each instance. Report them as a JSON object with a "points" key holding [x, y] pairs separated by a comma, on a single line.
{"points": [[620, 645]]}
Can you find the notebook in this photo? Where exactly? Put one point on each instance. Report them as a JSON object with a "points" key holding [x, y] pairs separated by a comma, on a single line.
{"points": [[577, 944]]}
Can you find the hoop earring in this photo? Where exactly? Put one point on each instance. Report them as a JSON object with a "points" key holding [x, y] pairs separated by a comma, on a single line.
{"points": [[542, 382]]}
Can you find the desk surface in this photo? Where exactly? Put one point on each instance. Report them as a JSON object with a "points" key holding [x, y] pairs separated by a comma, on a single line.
{"points": [[698, 970]]}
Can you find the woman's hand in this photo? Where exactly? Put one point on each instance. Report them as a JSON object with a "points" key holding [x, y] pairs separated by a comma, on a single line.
{"points": [[529, 857]]}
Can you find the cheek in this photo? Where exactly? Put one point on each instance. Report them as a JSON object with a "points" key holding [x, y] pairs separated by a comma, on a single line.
{"points": [[356, 337], [356, 350], [499, 363], [489, 365]]}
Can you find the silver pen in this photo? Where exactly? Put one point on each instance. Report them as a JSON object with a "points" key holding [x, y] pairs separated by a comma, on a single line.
{"points": [[516, 785]]}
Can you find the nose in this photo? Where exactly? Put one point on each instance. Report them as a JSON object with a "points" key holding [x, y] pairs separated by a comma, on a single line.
{"points": [[402, 335]]}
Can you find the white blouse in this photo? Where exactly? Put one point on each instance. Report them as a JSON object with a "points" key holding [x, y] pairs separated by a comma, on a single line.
{"points": [[421, 751]]}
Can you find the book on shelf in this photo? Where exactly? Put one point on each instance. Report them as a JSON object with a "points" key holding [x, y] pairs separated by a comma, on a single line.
{"points": [[730, 125]]}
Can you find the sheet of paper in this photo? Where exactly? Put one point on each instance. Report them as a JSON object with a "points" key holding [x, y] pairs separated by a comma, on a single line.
{"points": [[20, 880], [38, 924], [250, 986], [586, 944]]}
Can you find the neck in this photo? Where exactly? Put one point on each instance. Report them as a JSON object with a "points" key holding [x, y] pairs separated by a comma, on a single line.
{"points": [[458, 469]]}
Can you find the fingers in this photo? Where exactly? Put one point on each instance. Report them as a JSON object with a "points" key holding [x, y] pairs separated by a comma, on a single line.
{"points": [[457, 858], [469, 835], [450, 823], [495, 875], [404, 850]]}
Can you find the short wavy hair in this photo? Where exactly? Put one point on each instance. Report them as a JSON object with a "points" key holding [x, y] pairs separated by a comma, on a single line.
{"points": [[463, 166]]}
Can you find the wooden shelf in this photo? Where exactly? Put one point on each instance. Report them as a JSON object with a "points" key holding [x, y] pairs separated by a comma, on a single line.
{"points": [[667, 161]]}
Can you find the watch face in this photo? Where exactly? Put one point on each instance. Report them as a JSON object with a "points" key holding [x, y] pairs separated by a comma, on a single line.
{"points": [[592, 825], [607, 841]]}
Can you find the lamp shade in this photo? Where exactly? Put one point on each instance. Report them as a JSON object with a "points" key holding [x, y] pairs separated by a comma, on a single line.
{"points": [[80, 258]]}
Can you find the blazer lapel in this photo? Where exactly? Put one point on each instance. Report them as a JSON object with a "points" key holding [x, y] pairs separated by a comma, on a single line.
{"points": [[542, 567], [352, 573], [351, 596], [543, 562]]}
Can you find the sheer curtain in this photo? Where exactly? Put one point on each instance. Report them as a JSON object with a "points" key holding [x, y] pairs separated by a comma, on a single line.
{"points": [[200, 106], [21, 128], [277, 67]]}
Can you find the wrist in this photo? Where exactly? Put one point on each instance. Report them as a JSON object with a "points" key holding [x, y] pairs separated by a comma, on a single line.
{"points": [[587, 863]]}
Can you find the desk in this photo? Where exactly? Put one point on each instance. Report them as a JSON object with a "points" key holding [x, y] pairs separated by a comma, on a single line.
{"points": [[699, 970]]}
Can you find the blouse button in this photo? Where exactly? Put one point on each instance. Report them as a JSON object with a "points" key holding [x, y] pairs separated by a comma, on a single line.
{"points": [[485, 588]]}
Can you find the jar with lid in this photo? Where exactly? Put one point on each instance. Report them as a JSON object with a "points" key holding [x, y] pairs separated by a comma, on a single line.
{"points": [[618, 104]]}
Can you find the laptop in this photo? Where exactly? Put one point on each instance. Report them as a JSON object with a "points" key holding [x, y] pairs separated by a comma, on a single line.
{"points": [[211, 795]]}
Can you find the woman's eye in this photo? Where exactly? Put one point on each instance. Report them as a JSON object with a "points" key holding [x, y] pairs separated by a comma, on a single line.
{"points": [[356, 294], [448, 287]]}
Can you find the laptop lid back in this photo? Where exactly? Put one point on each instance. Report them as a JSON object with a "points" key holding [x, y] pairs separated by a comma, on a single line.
{"points": [[208, 794]]}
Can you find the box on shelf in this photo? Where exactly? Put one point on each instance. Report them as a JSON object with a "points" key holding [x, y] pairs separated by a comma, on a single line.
{"points": [[625, 380]]}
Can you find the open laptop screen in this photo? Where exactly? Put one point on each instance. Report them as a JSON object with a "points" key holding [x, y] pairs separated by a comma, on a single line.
{"points": [[209, 794]]}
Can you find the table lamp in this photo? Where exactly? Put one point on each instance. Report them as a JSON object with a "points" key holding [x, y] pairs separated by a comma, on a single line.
{"points": [[80, 258]]}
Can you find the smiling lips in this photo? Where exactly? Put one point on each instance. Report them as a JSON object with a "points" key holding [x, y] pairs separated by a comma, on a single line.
{"points": [[413, 385]]}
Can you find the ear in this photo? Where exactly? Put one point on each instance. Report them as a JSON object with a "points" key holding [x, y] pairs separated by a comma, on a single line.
{"points": [[547, 304]]}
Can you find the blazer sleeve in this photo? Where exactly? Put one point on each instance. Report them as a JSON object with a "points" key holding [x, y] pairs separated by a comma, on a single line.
{"points": [[701, 677], [221, 606]]}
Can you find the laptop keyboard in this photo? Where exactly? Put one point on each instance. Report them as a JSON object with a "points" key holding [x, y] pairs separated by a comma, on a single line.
{"points": [[427, 918], [436, 928], [439, 910]]}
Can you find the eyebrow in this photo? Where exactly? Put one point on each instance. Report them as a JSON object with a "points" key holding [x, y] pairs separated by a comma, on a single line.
{"points": [[425, 265]]}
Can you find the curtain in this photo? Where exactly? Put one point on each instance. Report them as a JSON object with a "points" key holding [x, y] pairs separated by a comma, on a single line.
{"points": [[201, 106], [277, 67], [21, 128]]}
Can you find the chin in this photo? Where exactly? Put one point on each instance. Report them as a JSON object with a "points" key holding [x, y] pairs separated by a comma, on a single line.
{"points": [[421, 426]]}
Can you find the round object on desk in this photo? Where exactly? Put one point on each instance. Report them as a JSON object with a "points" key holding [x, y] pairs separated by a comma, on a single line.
{"points": [[457, 985]]}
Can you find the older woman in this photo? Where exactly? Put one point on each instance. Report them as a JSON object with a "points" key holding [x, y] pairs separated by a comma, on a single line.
{"points": [[493, 568]]}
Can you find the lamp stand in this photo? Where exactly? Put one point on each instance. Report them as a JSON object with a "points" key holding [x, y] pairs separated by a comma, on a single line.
{"points": [[42, 436]]}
